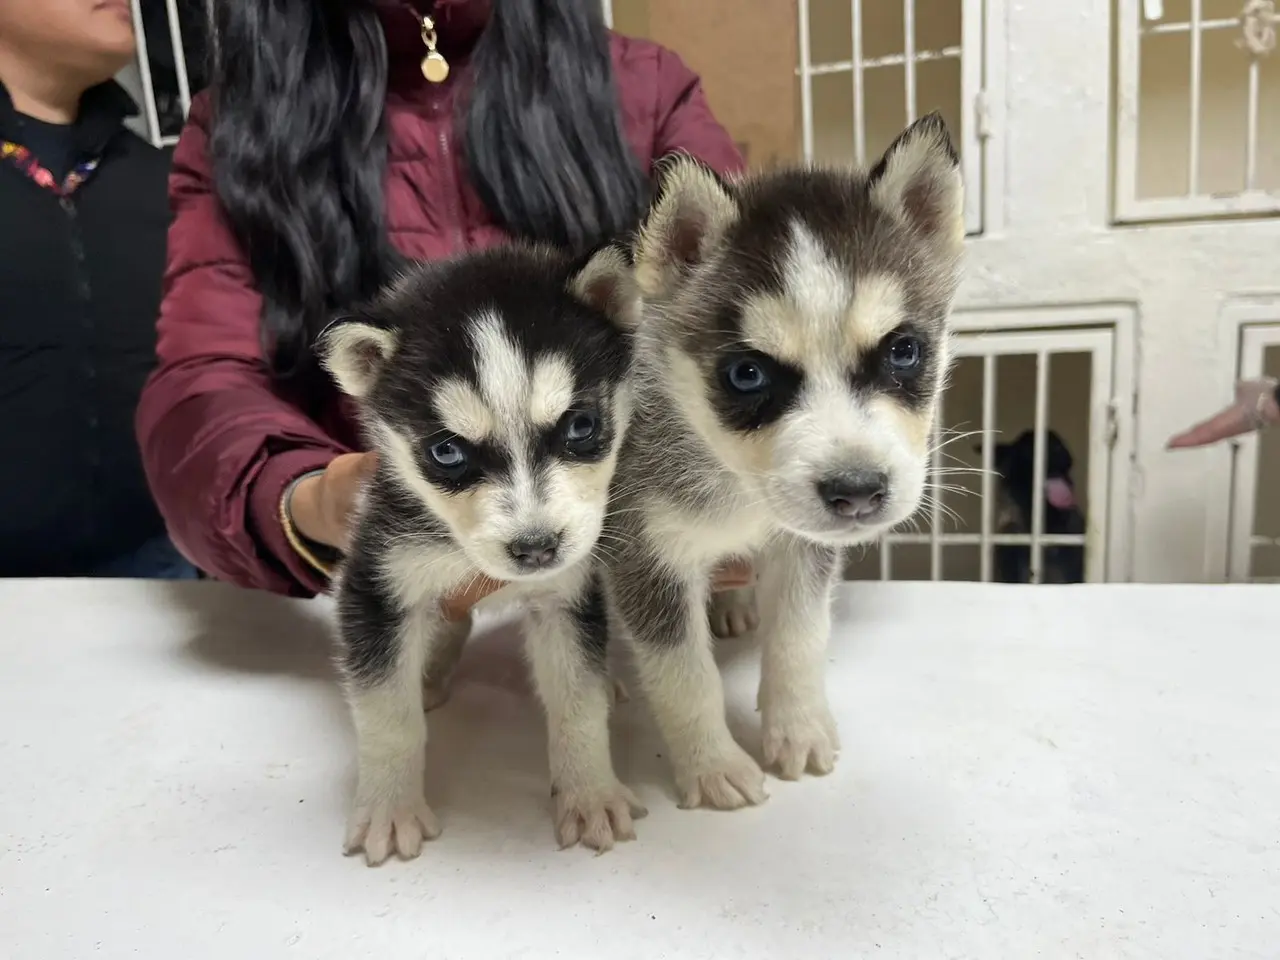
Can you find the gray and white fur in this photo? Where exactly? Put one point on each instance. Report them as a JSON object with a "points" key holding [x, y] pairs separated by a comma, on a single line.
{"points": [[793, 345], [496, 390]]}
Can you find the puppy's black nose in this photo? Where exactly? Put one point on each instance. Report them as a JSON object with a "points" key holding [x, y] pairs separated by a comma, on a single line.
{"points": [[858, 495], [535, 551]]}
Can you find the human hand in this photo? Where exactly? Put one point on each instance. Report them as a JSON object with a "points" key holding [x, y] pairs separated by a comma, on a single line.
{"points": [[321, 505], [728, 576], [1255, 407]]}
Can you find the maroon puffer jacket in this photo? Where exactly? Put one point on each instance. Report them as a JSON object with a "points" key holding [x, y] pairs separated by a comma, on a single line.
{"points": [[220, 443]]}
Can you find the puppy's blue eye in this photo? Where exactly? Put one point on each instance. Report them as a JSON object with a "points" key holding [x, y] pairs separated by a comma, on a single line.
{"points": [[746, 376], [448, 454], [580, 427], [905, 354]]}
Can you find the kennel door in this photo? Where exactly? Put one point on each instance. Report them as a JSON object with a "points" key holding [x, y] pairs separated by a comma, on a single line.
{"points": [[1254, 525], [1004, 384]]}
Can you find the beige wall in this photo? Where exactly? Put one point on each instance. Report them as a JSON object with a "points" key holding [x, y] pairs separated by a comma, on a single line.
{"points": [[745, 51]]}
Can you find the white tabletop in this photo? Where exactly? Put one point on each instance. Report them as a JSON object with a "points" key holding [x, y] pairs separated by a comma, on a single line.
{"points": [[1028, 772]]}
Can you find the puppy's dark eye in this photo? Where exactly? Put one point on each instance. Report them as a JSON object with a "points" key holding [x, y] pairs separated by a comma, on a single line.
{"points": [[904, 354], [580, 433], [448, 454], [581, 426], [746, 376]]}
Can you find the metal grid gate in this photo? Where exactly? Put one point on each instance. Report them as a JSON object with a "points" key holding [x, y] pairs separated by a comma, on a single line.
{"points": [[870, 51], [1197, 102]]}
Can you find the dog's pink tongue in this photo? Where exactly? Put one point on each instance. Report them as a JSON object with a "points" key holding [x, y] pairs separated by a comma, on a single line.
{"points": [[1059, 493]]}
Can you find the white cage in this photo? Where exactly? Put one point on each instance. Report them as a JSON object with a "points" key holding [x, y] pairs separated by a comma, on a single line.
{"points": [[1057, 371], [165, 99], [1197, 109], [867, 68], [1250, 512]]}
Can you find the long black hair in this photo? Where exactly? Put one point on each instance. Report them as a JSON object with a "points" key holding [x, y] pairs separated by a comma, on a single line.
{"points": [[298, 144]]}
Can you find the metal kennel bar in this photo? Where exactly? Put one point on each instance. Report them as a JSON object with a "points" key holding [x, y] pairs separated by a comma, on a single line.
{"points": [[935, 494], [909, 53], [988, 464], [1038, 470], [1251, 121], [1197, 93], [859, 93]]}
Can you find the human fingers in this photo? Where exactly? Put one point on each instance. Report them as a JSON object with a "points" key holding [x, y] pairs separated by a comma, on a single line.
{"points": [[1225, 424], [732, 575], [458, 604]]}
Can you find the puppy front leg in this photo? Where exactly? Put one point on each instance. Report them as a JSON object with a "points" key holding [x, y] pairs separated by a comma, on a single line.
{"points": [[795, 579], [384, 649], [566, 648], [666, 621]]}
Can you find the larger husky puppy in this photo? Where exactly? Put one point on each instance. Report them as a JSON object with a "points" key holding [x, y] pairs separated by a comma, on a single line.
{"points": [[792, 350], [496, 392]]}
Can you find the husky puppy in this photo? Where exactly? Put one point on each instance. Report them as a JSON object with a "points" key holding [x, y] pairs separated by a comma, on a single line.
{"points": [[793, 345], [496, 391]]}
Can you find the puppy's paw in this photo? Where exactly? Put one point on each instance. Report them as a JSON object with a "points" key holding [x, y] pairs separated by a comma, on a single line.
{"points": [[799, 738], [727, 780], [400, 827], [596, 817], [732, 613]]}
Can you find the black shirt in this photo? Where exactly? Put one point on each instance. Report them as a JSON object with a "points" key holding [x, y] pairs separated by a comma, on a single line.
{"points": [[79, 295], [52, 143]]}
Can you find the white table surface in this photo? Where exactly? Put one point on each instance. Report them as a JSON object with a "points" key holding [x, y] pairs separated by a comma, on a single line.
{"points": [[1084, 772]]}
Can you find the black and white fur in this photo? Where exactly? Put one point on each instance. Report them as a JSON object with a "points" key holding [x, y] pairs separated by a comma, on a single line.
{"points": [[793, 346], [496, 390]]}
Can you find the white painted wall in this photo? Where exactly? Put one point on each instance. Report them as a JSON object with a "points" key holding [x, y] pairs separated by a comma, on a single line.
{"points": [[1056, 246]]}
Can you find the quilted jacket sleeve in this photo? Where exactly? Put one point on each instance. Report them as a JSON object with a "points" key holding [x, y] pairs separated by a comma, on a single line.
{"points": [[685, 121], [219, 444]]}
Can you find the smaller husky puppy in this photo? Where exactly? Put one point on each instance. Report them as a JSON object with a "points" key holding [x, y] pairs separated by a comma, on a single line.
{"points": [[788, 366], [496, 390]]}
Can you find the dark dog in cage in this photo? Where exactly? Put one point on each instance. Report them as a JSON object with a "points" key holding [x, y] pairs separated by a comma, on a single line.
{"points": [[1015, 465]]}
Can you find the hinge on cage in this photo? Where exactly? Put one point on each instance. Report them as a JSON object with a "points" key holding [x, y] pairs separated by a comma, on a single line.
{"points": [[1113, 424], [981, 115]]}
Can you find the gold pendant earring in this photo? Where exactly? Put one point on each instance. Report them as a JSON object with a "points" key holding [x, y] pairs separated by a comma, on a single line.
{"points": [[434, 66]]}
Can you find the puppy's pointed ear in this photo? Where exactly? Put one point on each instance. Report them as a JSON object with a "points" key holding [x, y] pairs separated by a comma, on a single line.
{"points": [[355, 350], [691, 210], [607, 282], [918, 181]]}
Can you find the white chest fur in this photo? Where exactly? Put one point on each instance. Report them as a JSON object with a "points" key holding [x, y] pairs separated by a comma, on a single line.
{"points": [[697, 539]]}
